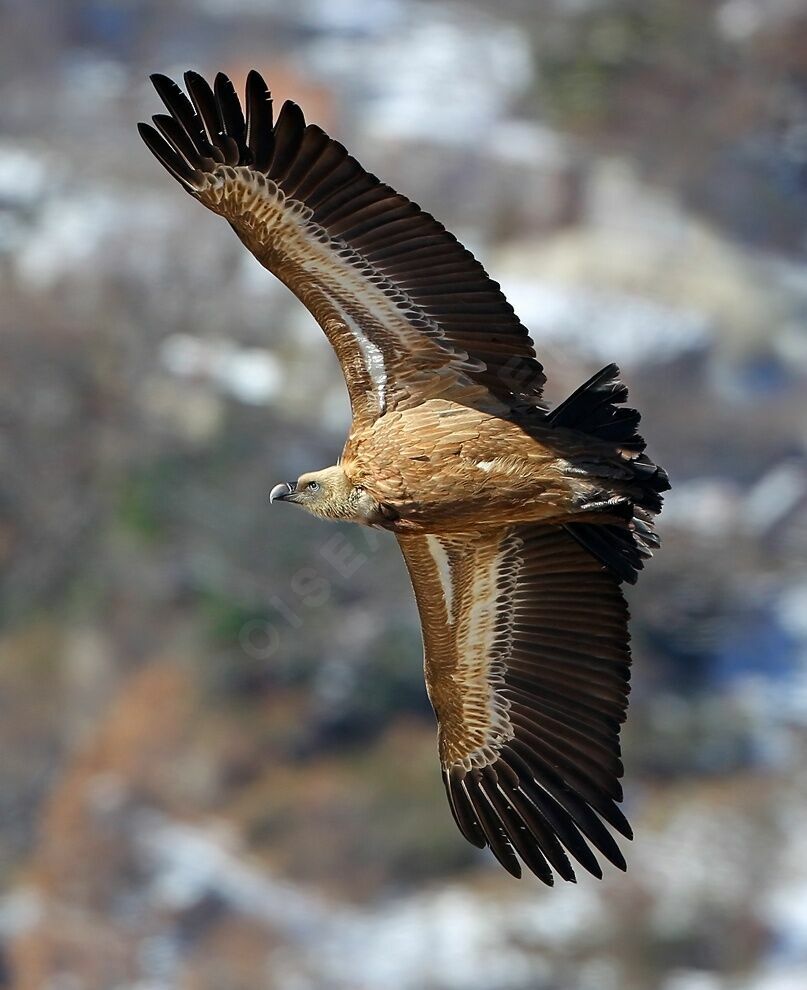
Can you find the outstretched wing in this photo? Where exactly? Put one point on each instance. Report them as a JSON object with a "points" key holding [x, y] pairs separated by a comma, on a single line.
{"points": [[527, 667], [408, 310]]}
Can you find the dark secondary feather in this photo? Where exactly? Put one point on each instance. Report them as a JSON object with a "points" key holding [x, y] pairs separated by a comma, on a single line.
{"points": [[404, 244]]}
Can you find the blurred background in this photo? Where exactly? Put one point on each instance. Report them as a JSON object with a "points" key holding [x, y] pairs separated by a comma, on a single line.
{"points": [[219, 767]]}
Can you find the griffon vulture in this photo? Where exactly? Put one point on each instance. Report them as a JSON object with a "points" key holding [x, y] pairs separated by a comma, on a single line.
{"points": [[517, 524]]}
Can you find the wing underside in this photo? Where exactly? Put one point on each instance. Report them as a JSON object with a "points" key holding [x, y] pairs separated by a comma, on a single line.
{"points": [[527, 667], [408, 310]]}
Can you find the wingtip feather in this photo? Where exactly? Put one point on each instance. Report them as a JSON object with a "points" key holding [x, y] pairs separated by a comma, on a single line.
{"points": [[168, 157]]}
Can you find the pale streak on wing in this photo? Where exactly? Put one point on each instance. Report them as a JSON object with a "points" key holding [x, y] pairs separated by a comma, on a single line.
{"points": [[373, 361], [459, 581], [387, 362], [443, 565]]}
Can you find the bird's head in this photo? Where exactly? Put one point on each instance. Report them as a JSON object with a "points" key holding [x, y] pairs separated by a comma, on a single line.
{"points": [[329, 494]]}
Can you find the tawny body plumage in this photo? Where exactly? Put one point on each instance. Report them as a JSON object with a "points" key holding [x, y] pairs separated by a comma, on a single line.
{"points": [[443, 467], [517, 524]]}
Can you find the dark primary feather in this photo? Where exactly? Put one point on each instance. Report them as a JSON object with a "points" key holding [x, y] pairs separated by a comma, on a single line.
{"points": [[169, 156], [259, 138], [175, 135], [181, 108], [496, 830], [229, 106], [204, 102]]}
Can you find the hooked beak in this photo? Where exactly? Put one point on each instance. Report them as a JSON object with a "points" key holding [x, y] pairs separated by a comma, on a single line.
{"points": [[282, 492]]}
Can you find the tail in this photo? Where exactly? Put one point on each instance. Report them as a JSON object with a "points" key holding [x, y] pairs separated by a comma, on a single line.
{"points": [[596, 408]]}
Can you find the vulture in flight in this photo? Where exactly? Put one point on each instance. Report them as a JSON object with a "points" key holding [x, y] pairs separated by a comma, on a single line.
{"points": [[517, 524]]}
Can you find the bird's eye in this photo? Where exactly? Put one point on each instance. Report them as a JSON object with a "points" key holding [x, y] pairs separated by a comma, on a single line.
{"points": [[313, 486]]}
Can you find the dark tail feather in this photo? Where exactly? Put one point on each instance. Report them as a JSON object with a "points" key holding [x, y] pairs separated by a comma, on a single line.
{"points": [[596, 408], [593, 409]]}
